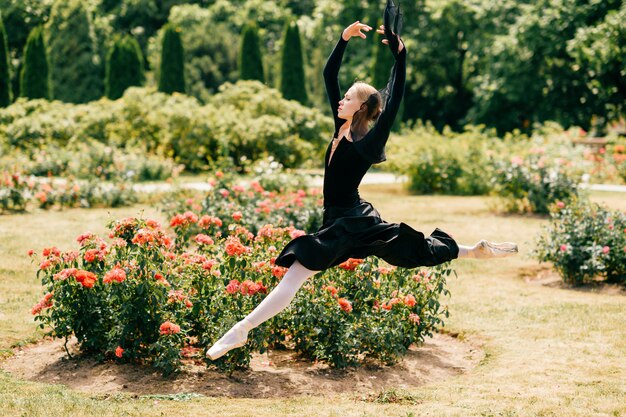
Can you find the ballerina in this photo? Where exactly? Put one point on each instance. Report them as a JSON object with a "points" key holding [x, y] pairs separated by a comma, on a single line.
{"points": [[352, 228]]}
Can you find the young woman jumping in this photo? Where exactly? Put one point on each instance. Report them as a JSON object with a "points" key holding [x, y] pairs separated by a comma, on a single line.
{"points": [[352, 228]]}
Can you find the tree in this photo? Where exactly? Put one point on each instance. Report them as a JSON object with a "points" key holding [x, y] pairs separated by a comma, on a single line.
{"points": [[124, 67], [172, 70], [5, 78], [20, 17], [292, 69], [530, 77], [35, 74], [438, 87], [75, 68], [250, 59], [600, 54]]}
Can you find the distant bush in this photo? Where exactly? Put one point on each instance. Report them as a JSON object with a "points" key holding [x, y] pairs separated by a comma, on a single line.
{"points": [[453, 163], [245, 120], [584, 241]]}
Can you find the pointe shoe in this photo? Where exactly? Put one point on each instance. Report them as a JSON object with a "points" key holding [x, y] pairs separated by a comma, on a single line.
{"points": [[236, 337], [485, 249]]}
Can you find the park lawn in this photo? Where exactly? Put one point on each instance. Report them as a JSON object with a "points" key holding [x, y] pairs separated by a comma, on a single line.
{"points": [[550, 351]]}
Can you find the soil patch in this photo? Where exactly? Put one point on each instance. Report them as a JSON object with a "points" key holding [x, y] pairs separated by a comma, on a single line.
{"points": [[544, 274], [272, 374]]}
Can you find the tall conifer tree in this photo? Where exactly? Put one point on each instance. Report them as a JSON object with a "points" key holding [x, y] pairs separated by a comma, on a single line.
{"points": [[35, 75], [250, 59], [75, 67], [292, 84], [124, 67], [5, 80], [172, 69]]}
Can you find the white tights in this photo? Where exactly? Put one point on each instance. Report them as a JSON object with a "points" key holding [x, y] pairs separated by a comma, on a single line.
{"points": [[280, 297]]}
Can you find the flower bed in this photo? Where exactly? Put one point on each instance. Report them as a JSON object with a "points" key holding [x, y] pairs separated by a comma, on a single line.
{"points": [[246, 204], [18, 192], [139, 297]]}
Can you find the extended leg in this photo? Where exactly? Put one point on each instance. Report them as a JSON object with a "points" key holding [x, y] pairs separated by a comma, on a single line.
{"points": [[484, 250], [274, 303]]}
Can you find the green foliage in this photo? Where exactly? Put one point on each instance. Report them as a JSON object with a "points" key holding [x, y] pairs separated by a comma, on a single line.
{"points": [[75, 68], [35, 76], [452, 163], [5, 77], [530, 77], [382, 62], [90, 160], [250, 59], [439, 88], [124, 67], [210, 58], [246, 121], [584, 241], [599, 53], [292, 84], [172, 70], [20, 17]]}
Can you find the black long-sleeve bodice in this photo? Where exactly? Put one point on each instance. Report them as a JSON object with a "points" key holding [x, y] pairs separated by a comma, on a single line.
{"points": [[352, 227], [351, 160]]}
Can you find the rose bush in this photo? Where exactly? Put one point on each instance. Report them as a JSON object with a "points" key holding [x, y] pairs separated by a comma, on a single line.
{"points": [[139, 297], [18, 192], [534, 183], [247, 204], [584, 241]]}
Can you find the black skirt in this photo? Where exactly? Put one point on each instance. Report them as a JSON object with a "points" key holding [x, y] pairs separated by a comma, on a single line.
{"points": [[358, 231]]}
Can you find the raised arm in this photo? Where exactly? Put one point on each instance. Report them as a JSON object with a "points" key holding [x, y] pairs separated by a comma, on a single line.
{"points": [[331, 69], [331, 80]]}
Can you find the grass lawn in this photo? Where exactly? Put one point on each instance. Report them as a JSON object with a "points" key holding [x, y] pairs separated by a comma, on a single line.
{"points": [[550, 351]]}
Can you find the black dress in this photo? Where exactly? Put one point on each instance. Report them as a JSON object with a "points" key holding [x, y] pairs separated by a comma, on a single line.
{"points": [[352, 228]]}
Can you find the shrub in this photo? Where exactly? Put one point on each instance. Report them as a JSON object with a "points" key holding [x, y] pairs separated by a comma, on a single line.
{"points": [[140, 298], [18, 192], [533, 184], [14, 189], [245, 205], [444, 164], [584, 241], [246, 119]]}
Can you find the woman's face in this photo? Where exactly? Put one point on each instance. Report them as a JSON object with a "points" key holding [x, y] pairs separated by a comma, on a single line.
{"points": [[349, 105]]}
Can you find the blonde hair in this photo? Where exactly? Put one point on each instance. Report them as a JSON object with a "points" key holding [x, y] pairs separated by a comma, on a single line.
{"points": [[370, 109]]}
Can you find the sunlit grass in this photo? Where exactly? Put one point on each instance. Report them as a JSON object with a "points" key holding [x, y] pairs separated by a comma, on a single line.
{"points": [[549, 351]]}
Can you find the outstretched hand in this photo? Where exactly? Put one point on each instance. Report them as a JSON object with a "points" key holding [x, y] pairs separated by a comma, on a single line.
{"points": [[355, 30], [381, 30]]}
